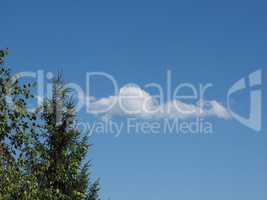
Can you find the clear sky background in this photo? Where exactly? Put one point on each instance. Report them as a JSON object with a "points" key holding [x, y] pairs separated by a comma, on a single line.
{"points": [[137, 41]]}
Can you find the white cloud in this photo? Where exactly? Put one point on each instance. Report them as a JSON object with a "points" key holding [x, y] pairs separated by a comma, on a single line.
{"points": [[134, 101]]}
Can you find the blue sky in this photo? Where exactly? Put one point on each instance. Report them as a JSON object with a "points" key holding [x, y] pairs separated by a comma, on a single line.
{"points": [[215, 42]]}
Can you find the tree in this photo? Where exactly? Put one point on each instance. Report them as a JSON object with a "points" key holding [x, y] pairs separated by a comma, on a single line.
{"points": [[41, 153], [16, 128], [64, 148]]}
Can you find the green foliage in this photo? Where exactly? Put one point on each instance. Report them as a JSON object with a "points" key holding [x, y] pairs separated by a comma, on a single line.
{"points": [[41, 153], [16, 129], [64, 146], [93, 192]]}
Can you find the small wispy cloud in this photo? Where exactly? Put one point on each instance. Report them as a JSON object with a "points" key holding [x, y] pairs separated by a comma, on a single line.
{"points": [[133, 101]]}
